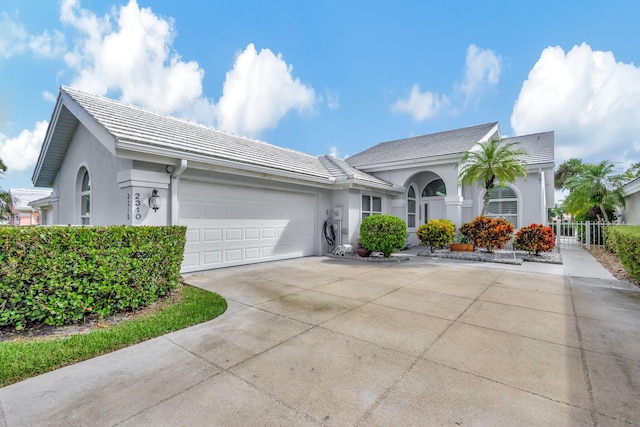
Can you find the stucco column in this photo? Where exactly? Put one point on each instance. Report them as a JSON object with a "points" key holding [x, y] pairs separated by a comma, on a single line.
{"points": [[453, 205]]}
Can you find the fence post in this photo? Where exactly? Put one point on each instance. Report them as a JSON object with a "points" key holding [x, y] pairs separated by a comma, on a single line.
{"points": [[587, 234]]}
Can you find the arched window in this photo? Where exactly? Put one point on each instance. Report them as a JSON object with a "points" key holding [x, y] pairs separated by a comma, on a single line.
{"points": [[411, 207], [435, 188], [85, 197], [503, 203]]}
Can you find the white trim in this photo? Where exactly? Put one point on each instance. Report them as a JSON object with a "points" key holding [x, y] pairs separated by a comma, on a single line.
{"points": [[519, 201]]}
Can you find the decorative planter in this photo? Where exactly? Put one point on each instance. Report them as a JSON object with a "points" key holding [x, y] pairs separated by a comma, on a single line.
{"points": [[461, 247], [363, 252]]}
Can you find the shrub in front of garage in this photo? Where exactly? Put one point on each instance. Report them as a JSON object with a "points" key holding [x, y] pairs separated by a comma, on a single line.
{"points": [[436, 233], [383, 233], [60, 275]]}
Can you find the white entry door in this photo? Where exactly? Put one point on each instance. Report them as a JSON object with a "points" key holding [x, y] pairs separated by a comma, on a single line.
{"points": [[229, 225]]}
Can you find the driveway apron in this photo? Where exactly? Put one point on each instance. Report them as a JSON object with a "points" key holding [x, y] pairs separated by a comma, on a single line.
{"points": [[325, 341]]}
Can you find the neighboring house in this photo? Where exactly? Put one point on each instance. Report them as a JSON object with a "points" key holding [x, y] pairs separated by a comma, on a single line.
{"points": [[631, 193], [19, 204], [245, 201]]}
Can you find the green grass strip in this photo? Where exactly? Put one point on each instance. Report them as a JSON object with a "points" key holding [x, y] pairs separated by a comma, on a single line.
{"points": [[25, 359]]}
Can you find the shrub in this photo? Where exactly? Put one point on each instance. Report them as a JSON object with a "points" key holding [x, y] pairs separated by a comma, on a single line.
{"points": [[436, 233], [535, 238], [488, 233], [383, 233], [59, 275], [625, 241]]}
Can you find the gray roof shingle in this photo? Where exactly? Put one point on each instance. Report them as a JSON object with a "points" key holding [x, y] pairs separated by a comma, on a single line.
{"points": [[539, 146], [425, 146], [128, 123]]}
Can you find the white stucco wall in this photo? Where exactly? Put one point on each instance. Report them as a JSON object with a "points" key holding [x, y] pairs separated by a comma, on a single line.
{"points": [[631, 214], [86, 151]]}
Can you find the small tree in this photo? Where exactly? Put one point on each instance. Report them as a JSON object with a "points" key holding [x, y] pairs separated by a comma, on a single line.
{"points": [[383, 233], [436, 233], [595, 190], [494, 162]]}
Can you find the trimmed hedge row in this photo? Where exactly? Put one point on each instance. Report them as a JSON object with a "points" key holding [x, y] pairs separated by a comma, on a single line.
{"points": [[625, 242], [59, 275]]}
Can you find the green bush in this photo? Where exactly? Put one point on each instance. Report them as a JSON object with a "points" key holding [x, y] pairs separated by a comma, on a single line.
{"points": [[383, 233], [436, 233], [488, 233], [535, 238], [59, 275], [625, 241]]}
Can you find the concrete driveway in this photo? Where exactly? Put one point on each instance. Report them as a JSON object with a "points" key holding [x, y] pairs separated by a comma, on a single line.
{"points": [[320, 341]]}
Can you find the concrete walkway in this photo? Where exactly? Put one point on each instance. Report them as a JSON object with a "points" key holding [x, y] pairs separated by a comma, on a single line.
{"points": [[319, 341]]}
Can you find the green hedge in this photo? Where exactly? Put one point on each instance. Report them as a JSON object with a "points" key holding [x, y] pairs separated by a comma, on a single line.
{"points": [[59, 275], [625, 242]]}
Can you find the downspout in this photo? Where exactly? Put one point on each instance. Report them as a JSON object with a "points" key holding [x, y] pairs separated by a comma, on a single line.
{"points": [[543, 198], [173, 188]]}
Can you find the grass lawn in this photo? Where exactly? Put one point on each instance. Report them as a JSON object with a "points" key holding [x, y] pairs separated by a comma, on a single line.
{"points": [[22, 359]]}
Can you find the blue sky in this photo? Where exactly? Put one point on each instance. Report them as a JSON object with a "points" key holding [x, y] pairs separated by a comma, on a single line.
{"points": [[331, 76]]}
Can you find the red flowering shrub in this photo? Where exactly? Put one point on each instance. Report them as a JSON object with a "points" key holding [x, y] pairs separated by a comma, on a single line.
{"points": [[488, 233], [535, 238]]}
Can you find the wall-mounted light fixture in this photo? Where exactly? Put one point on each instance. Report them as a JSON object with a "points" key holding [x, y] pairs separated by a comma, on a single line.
{"points": [[154, 200]]}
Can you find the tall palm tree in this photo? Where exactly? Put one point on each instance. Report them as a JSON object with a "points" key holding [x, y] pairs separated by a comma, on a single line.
{"points": [[595, 186], [493, 162]]}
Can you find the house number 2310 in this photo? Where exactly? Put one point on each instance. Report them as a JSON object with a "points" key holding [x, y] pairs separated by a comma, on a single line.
{"points": [[136, 204]]}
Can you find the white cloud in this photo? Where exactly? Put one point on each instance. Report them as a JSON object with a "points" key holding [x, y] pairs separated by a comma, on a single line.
{"points": [[16, 40], [333, 99], [21, 152], [259, 91], [420, 105], [482, 70], [130, 51], [590, 100], [48, 96]]}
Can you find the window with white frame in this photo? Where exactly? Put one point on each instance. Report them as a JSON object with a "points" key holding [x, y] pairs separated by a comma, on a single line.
{"points": [[503, 203], [85, 198], [371, 205], [435, 188], [411, 207]]}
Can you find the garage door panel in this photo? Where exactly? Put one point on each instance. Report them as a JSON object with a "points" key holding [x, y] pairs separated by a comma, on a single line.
{"points": [[232, 225]]}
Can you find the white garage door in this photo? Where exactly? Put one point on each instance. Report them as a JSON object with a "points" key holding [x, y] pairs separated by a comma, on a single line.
{"points": [[229, 225]]}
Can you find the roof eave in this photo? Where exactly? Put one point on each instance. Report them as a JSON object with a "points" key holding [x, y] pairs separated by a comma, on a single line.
{"points": [[229, 165]]}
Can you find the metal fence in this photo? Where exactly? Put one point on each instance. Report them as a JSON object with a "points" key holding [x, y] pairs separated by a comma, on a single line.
{"points": [[582, 233]]}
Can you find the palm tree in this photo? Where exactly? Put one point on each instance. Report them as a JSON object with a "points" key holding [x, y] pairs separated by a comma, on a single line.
{"points": [[4, 196], [494, 162], [566, 170], [596, 188]]}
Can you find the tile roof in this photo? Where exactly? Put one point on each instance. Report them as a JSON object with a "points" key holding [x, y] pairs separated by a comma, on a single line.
{"points": [[539, 147], [342, 170], [128, 123], [425, 146], [20, 198]]}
